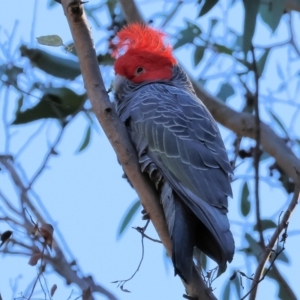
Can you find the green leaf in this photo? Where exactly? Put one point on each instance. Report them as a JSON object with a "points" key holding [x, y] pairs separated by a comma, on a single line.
{"points": [[187, 35], [3, 68], [57, 103], [264, 156], [105, 60], [86, 140], [50, 40], [226, 292], [237, 284], [20, 104], [238, 41], [52, 64], [203, 261], [208, 5], [279, 123], [266, 224], [272, 12], [245, 203], [198, 54], [213, 23], [12, 72], [128, 216], [225, 91], [282, 256], [261, 62], [283, 294], [51, 3], [222, 49], [251, 10], [254, 246]]}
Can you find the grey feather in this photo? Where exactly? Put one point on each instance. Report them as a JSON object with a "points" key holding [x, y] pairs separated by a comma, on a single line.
{"points": [[180, 147]]}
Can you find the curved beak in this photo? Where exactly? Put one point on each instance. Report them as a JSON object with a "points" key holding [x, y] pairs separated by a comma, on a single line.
{"points": [[118, 82]]}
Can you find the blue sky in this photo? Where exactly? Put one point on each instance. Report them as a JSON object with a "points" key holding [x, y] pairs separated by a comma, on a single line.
{"points": [[85, 195]]}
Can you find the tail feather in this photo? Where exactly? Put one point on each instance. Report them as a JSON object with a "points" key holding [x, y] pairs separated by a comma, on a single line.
{"points": [[183, 242], [195, 224]]}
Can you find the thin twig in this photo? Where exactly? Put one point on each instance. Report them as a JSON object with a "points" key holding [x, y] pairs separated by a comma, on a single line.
{"points": [[141, 231], [59, 262], [33, 23], [267, 251], [51, 151], [30, 139], [121, 283], [257, 150], [172, 13], [8, 203], [293, 41]]}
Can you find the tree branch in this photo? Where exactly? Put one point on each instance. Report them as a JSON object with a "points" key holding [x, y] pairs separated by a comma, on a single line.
{"points": [[292, 5], [58, 261], [243, 124], [267, 251], [115, 129], [257, 150]]}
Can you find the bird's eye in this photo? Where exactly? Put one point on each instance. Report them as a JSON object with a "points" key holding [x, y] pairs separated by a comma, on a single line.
{"points": [[139, 70]]}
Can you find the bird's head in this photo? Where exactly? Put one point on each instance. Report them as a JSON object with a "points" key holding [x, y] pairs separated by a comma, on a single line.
{"points": [[142, 55]]}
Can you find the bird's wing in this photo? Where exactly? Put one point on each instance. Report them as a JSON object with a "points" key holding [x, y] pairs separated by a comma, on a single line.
{"points": [[182, 139]]}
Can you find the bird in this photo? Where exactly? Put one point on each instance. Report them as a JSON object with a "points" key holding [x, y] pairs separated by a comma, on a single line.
{"points": [[178, 144]]}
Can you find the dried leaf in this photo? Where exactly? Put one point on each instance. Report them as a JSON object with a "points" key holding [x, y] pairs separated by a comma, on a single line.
{"points": [[46, 231], [87, 294], [5, 236], [53, 289], [35, 258]]}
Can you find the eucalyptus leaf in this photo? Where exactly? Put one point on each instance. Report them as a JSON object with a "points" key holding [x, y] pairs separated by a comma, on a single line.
{"points": [[251, 10], [207, 6], [245, 203], [254, 246], [52, 64], [227, 290], [50, 40], [279, 123], [86, 140], [105, 59], [237, 284], [57, 103], [262, 62], [198, 55], [128, 216], [187, 35], [226, 91], [223, 49], [266, 224], [272, 12], [264, 156]]}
